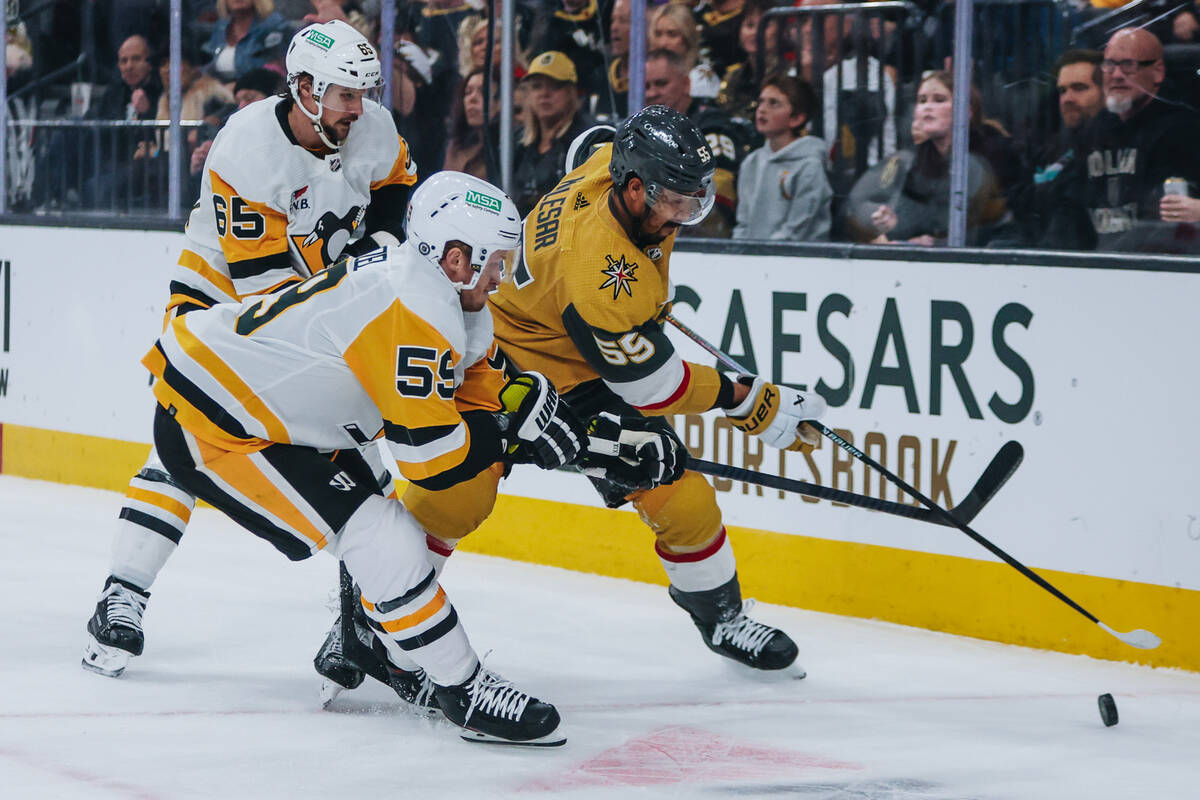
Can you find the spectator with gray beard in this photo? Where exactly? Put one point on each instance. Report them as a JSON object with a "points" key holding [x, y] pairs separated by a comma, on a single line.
{"points": [[1115, 198]]}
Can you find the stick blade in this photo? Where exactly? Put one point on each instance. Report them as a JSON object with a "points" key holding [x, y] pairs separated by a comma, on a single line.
{"points": [[999, 470], [1143, 640]]}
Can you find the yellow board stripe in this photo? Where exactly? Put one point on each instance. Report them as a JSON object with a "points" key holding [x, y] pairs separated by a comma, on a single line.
{"points": [[205, 357], [168, 504], [963, 596]]}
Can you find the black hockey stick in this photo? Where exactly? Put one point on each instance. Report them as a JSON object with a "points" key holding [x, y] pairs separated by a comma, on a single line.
{"points": [[1003, 464], [998, 471], [1136, 638]]}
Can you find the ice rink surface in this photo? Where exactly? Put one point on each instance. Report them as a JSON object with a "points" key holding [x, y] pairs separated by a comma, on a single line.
{"points": [[224, 702]]}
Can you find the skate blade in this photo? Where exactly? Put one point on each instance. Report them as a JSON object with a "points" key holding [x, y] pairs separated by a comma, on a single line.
{"points": [[104, 660], [329, 692], [553, 739]]}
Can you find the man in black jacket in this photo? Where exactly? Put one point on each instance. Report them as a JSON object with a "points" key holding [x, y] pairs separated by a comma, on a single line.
{"points": [[1080, 99], [136, 95], [1114, 200]]}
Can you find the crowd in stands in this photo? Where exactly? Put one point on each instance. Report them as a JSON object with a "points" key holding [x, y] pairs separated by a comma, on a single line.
{"points": [[824, 125]]}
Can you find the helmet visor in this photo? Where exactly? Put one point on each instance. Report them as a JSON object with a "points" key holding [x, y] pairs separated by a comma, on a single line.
{"points": [[497, 270], [342, 99], [681, 208]]}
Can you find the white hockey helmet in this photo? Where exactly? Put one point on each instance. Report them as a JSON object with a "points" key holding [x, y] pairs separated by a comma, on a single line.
{"points": [[454, 206], [333, 54]]}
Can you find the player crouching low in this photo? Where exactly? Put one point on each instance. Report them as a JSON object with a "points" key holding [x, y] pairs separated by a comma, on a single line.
{"points": [[263, 405]]}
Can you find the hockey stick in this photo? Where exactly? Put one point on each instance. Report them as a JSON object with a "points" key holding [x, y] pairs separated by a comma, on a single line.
{"points": [[1003, 465], [999, 470], [1136, 638]]}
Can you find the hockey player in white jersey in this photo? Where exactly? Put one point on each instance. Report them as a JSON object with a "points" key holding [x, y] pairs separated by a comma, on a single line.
{"points": [[291, 183], [261, 406]]}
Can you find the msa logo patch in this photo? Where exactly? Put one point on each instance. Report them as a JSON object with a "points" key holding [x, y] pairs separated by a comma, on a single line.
{"points": [[299, 201], [342, 482], [319, 39], [484, 201], [620, 276]]}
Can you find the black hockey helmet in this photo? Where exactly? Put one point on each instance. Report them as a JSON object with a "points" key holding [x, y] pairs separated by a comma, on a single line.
{"points": [[667, 151]]}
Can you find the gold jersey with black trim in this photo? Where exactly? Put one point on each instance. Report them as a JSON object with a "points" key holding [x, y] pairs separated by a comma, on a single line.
{"points": [[271, 211], [585, 302], [374, 346]]}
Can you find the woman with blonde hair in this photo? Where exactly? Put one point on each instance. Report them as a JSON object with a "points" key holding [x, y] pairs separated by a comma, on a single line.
{"points": [[249, 34], [552, 118], [672, 27], [472, 46]]}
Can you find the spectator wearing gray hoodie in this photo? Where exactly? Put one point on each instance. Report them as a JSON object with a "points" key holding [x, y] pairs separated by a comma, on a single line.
{"points": [[783, 190]]}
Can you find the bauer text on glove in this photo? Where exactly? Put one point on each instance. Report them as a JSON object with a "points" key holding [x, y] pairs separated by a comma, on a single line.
{"points": [[774, 413]]}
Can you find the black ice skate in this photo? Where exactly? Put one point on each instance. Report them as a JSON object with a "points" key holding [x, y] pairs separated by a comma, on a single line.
{"points": [[115, 629], [337, 671], [415, 688], [721, 617], [492, 710], [341, 663]]}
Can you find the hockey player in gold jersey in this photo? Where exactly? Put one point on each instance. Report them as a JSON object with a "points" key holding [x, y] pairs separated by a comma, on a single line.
{"points": [[290, 184], [584, 310], [261, 406]]}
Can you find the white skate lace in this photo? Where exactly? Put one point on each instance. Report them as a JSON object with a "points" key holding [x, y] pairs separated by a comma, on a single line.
{"points": [[743, 632], [494, 695], [123, 607], [425, 695]]}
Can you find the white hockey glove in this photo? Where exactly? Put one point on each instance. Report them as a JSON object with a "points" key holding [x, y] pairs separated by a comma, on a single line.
{"points": [[547, 432], [417, 59], [774, 414], [634, 452]]}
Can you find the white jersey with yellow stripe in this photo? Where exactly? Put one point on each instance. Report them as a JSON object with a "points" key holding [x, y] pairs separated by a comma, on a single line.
{"points": [[270, 210], [374, 345]]}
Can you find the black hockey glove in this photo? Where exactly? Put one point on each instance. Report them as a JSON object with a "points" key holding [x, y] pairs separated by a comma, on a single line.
{"points": [[537, 425], [635, 452]]}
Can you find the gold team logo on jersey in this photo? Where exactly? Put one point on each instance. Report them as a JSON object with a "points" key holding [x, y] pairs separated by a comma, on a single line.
{"points": [[620, 276]]}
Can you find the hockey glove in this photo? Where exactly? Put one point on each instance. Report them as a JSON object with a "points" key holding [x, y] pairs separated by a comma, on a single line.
{"points": [[545, 430], [417, 59], [774, 414], [632, 451]]}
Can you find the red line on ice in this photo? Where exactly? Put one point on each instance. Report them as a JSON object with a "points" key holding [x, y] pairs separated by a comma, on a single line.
{"points": [[78, 775]]}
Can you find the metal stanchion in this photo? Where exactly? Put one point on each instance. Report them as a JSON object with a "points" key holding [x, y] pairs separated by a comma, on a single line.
{"points": [[387, 46], [960, 141], [175, 134], [637, 56]]}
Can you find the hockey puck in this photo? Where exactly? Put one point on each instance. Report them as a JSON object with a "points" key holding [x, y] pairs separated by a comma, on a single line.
{"points": [[1108, 709]]}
